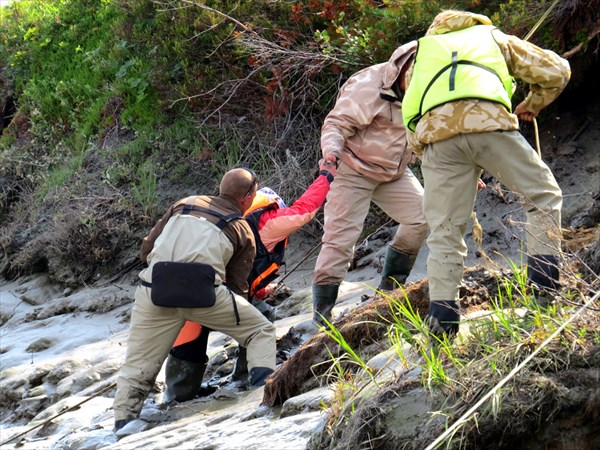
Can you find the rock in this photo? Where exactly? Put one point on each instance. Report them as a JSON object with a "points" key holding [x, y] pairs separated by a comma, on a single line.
{"points": [[39, 290], [40, 345], [298, 303], [408, 413], [133, 427], [54, 409], [221, 364], [5, 316], [37, 391], [306, 329], [64, 369], [310, 401], [77, 382], [261, 411], [266, 310], [151, 413], [12, 377], [592, 167], [30, 407], [567, 149], [389, 364], [38, 375], [589, 216], [226, 394], [89, 440]]}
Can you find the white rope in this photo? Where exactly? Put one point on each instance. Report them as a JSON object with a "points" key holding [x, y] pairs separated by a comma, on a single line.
{"points": [[533, 30], [539, 22], [466, 415]]}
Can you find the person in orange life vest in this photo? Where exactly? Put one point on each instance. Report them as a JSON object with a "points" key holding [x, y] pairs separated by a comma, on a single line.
{"points": [[271, 222]]}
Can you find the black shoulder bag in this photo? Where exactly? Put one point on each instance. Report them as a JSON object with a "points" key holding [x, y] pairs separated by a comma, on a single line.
{"points": [[186, 284]]}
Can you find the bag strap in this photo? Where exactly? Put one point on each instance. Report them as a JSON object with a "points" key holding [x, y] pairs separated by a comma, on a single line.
{"points": [[235, 309], [224, 219]]}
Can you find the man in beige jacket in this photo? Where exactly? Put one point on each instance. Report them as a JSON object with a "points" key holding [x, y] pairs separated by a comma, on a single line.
{"points": [[364, 133], [202, 250], [458, 111]]}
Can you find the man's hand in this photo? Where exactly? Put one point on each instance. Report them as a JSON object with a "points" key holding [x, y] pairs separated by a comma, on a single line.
{"points": [[523, 113], [332, 159], [267, 291], [328, 165], [480, 184]]}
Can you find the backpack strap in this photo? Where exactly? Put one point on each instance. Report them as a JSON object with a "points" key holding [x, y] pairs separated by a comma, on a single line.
{"points": [[224, 219]]}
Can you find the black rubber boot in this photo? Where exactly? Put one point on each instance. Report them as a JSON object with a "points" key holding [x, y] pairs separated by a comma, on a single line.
{"points": [[258, 376], [324, 297], [240, 368], [397, 266], [542, 271], [183, 379], [121, 423], [443, 317]]}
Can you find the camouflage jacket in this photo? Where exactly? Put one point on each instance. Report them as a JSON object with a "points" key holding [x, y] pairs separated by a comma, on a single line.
{"points": [[364, 129], [545, 72]]}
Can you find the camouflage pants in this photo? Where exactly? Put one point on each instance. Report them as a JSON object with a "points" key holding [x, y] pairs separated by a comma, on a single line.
{"points": [[347, 207], [451, 169], [154, 329]]}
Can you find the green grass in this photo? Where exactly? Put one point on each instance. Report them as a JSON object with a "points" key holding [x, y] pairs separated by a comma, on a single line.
{"points": [[145, 190], [61, 174]]}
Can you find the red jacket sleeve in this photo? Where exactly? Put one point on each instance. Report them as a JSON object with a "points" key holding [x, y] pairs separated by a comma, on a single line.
{"points": [[276, 225]]}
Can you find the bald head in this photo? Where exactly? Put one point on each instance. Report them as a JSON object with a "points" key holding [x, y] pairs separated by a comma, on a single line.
{"points": [[238, 183]]}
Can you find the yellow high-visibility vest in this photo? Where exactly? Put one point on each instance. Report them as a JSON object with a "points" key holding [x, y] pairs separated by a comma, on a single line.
{"points": [[458, 65]]}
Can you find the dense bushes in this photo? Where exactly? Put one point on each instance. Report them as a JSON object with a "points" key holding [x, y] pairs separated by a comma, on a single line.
{"points": [[77, 68]]}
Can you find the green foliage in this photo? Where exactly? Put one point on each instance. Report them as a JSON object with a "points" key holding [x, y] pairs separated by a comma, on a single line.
{"points": [[347, 386], [409, 327], [165, 145], [349, 353], [193, 48], [196, 87], [490, 346], [66, 66], [368, 32], [520, 16], [6, 141], [86, 66]]}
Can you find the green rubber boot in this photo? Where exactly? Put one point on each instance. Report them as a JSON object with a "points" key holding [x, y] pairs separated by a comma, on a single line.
{"points": [[183, 379], [258, 376], [543, 271], [396, 268], [324, 297]]}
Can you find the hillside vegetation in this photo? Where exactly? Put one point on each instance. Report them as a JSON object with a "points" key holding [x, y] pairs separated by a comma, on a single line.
{"points": [[112, 109]]}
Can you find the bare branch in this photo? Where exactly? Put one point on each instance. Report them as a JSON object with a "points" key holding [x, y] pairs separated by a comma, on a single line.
{"points": [[295, 66], [579, 46]]}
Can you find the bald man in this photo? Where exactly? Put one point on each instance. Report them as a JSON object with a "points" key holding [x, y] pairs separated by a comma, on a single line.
{"points": [[198, 244]]}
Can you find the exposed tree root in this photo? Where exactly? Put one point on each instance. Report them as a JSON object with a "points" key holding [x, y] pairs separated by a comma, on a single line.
{"points": [[360, 328]]}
